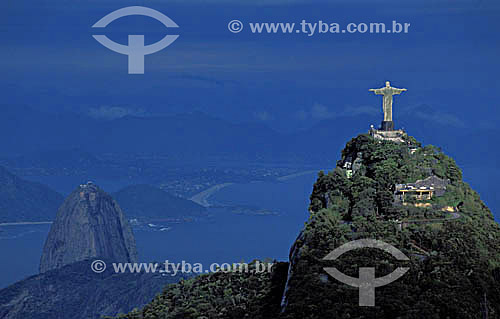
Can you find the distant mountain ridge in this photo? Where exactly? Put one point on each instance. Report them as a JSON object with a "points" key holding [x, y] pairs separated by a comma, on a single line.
{"points": [[25, 201], [184, 133], [146, 201], [198, 135], [72, 158]]}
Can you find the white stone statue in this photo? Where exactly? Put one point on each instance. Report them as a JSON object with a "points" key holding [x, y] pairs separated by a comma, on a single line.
{"points": [[387, 92]]}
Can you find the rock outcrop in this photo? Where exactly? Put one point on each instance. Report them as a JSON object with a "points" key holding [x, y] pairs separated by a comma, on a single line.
{"points": [[89, 224]]}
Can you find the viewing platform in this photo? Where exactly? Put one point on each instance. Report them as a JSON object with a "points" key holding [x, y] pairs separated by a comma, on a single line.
{"points": [[394, 136]]}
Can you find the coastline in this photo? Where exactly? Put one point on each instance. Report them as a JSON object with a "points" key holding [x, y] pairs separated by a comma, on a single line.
{"points": [[202, 197], [287, 177], [24, 223]]}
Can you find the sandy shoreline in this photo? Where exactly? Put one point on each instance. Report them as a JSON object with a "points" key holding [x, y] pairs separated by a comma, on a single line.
{"points": [[287, 177], [202, 198], [24, 223]]}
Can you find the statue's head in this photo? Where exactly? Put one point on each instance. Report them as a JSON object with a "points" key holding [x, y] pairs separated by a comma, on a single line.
{"points": [[387, 83]]}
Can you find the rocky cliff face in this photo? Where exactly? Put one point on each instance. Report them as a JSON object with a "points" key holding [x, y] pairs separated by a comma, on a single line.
{"points": [[88, 224]]}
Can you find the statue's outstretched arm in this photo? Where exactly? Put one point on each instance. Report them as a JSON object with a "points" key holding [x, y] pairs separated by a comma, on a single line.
{"points": [[398, 91], [377, 91]]}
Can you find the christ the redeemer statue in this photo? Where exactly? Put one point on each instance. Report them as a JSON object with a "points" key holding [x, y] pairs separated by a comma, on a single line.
{"points": [[387, 92]]}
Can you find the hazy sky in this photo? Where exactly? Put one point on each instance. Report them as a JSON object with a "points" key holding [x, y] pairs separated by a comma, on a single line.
{"points": [[448, 60]]}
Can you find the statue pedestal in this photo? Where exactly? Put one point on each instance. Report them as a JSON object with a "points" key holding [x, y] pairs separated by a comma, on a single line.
{"points": [[387, 126], [397, 136]]}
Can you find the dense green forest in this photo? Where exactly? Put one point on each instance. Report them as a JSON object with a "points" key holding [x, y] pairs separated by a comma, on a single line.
{"points": [[452, 241], [235, 294]]}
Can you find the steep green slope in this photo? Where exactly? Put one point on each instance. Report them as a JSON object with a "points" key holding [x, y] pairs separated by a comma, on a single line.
{"points": [[154, 203], [455, 257], [252, 294], [451, 239], [26, 201]]}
